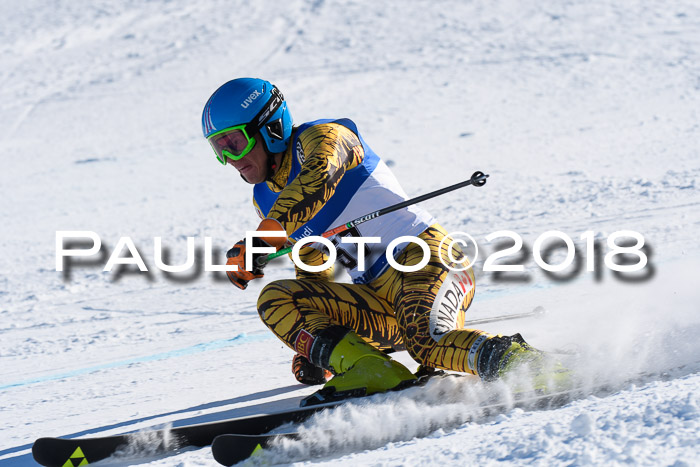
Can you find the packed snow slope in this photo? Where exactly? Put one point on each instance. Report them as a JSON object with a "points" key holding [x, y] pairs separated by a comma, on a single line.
{"points": [[584, 113]]}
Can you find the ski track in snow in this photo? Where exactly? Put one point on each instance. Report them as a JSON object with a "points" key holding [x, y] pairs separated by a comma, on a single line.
{"points": [[585, 114]]}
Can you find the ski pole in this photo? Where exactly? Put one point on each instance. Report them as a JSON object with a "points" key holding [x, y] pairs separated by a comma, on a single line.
{"points": [[478, 178], [538, 311]]}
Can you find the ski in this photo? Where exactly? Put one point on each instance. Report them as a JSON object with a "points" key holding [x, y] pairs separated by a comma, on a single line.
{"points": [[73, 452], [62, 452], [233, 448], [229, 449], [69, 452]]}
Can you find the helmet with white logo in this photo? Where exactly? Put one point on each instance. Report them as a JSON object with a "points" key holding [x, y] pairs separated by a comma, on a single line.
{"points": [[253, 105]]}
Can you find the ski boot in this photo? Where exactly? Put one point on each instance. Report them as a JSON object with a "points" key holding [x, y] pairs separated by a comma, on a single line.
{"points": [[511, 357], [360, 369]]}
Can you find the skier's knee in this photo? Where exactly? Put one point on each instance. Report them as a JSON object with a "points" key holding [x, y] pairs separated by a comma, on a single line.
{"points": [[417, 350], [271, 297]]}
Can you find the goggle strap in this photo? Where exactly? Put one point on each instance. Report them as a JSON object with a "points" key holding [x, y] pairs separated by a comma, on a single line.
{"points": [[270, 108]]}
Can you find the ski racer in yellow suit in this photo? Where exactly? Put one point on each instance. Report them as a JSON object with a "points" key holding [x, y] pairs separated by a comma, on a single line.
{"points": [[314, 177]]}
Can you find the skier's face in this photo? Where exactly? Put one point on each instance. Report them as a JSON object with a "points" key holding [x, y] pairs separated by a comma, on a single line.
{"points": [[253, 166]]}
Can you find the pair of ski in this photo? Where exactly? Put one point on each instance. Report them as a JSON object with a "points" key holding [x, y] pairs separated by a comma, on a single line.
{"points": [[232, 439], [229, 449]]}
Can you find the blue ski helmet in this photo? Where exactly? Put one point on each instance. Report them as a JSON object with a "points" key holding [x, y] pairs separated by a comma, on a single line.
{"points": [[252, 102]]}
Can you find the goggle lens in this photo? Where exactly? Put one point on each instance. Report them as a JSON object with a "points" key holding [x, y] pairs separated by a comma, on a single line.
{"points": [[232, 143]]}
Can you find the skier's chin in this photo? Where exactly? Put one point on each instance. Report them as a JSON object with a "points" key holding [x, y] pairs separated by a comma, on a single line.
{"points": [[248, 181]]}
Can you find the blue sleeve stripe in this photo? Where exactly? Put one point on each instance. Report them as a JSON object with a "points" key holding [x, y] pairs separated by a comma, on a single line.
{"points": [[349, 185]]}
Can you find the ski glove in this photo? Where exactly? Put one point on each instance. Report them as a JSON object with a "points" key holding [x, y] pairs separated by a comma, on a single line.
{"points": [[307, 373], [236, 255]]}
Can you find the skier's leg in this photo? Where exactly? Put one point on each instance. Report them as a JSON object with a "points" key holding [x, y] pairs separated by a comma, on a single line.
{"points": [[323, 321], [289, 306], [432, 328], [430, 306]]}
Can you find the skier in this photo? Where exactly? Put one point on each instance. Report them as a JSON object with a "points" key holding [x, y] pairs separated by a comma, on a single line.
{"points": [[315, 176]]}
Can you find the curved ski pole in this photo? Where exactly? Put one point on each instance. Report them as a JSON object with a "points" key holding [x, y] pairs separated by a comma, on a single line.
{"points": [[478, 178]]}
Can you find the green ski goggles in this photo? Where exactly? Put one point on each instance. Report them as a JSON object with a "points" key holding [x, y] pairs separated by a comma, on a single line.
{"points": [[233, 143]]}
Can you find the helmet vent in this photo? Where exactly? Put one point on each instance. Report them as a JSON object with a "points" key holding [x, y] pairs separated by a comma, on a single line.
{"points": [[275, 129]]}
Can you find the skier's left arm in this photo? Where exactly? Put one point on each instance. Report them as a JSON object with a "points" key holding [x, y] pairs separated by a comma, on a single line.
{"points": [[330, 150], [313, 257]]}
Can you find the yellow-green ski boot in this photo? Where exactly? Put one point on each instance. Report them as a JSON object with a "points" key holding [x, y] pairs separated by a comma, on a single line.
{"points": [[360, 369], [528, 369]]}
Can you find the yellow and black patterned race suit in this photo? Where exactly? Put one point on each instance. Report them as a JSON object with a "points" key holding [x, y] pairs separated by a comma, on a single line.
{"points": [[422, 311]]}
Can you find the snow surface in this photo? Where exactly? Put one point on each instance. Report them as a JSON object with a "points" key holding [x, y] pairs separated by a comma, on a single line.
{"points": [[585, 113]]}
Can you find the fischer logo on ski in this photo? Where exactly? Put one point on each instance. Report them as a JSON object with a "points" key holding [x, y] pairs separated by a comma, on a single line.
{"points": [[76, 459]]}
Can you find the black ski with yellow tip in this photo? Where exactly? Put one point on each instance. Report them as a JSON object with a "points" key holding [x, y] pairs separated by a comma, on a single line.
{"points": [[229, 449], [62, 452]]}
